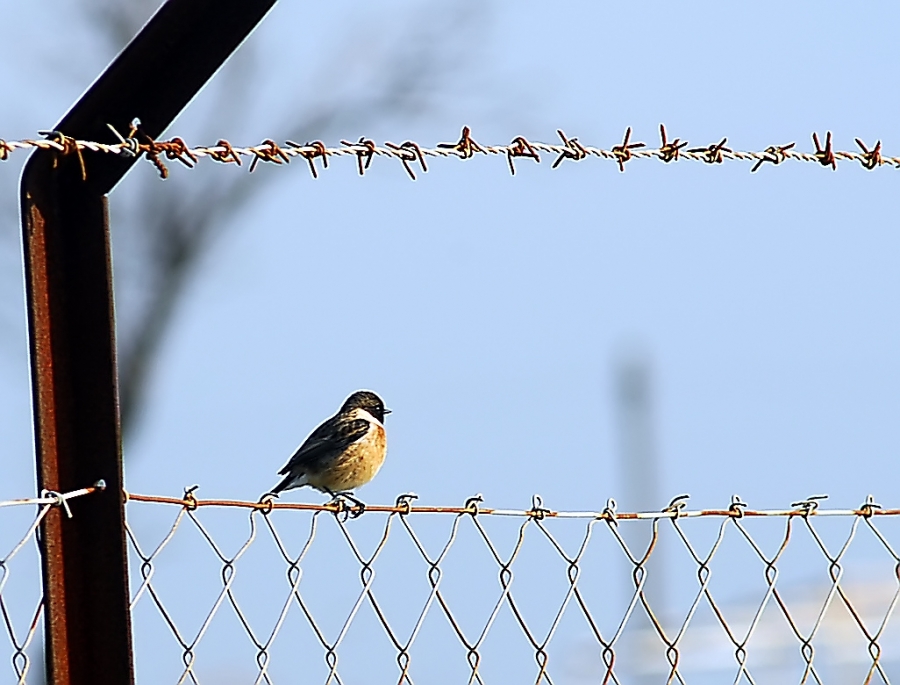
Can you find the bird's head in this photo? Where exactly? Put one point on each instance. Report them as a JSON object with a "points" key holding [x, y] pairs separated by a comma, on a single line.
{"points": [[368, 401]]}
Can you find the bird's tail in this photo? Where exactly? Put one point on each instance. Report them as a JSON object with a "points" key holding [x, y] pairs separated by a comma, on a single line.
{"points": [[288, 482]]}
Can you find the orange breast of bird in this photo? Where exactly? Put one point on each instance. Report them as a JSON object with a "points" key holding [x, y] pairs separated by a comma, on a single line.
{"points": [[357, 465]]}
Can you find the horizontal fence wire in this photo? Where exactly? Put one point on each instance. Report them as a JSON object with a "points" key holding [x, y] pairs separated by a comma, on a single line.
{"points": [[20, 592], [272, 591], [447, 609], [413, 156]]}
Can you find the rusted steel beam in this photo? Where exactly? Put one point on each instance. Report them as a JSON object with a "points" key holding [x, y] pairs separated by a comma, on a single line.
{"points": [[71, 326]]}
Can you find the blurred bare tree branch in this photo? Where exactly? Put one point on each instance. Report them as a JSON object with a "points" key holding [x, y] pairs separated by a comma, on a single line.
{"points": [[161, 231]]}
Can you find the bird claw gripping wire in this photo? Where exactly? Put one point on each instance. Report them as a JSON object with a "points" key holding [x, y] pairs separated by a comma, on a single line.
{"points": [[713, 154], [341, 503], [870, 158], [364, 149], [774, 153], [669, 151], [623, 152], [574, 150], [810, 504], [465, 147], [519, 147], [407, 152], [825, 155]]}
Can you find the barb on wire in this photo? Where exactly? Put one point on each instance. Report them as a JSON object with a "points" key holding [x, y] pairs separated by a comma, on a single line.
{"points": [[713, 154], [136, 144], [668, 152], [623, 152]]}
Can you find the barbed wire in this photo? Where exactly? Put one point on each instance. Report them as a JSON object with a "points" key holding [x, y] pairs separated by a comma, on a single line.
{"points": [[442, 543], [413, 156]]}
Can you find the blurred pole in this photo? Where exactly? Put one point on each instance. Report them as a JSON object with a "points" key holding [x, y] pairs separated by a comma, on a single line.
{"points": [[639, 475]]}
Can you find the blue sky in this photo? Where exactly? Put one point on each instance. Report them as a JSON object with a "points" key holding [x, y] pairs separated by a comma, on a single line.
{"points": [[489, 311]]}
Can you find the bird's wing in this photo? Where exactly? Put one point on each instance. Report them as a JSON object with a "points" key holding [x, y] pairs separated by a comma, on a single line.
{"points": [[326, 441]]}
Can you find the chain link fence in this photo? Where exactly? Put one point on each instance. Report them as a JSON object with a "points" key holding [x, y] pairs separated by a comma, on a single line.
{"points": [[247, 592]]}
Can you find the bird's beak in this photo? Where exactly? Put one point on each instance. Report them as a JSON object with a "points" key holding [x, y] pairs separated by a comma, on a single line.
{"points": [[387, 411]]}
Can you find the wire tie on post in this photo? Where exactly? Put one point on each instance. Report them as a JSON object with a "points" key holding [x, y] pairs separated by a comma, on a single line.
{"points": [[713, 153], [58, 500], [130, 146], [825, 155], [623, 151], [574, 150], [69, 146], [870, 158], [363, 156], [669, 151], [465, 147], [774, 153], [409, 151], [519, 147]]}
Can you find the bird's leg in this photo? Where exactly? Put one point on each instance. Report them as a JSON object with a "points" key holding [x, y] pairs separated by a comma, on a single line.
{"points": [[340, 500]]}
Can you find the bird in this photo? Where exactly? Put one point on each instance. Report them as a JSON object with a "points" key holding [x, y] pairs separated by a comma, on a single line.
{"points": [[343, 453]]}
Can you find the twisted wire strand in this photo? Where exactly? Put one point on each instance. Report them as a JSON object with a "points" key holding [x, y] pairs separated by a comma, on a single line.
{"points": [[413, 156]]}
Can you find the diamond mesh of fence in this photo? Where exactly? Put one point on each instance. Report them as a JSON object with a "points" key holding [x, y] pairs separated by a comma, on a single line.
{"points": [[227, 591]]}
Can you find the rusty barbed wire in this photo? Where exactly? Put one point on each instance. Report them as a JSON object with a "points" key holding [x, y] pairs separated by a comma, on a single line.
{"points": [[48, 499], [137, 143]]}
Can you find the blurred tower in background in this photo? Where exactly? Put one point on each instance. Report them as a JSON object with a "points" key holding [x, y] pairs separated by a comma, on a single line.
{"points": [[639, 478]]}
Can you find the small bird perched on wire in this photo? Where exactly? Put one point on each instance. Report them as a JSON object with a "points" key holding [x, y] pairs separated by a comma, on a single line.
{"points": [[343, 453]]}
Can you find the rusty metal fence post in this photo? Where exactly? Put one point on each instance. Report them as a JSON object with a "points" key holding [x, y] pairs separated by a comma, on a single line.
{"points": [[71, 326]]}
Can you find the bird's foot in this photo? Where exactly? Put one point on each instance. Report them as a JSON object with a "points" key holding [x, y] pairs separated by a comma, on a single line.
{"points": [[347, 504]]}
